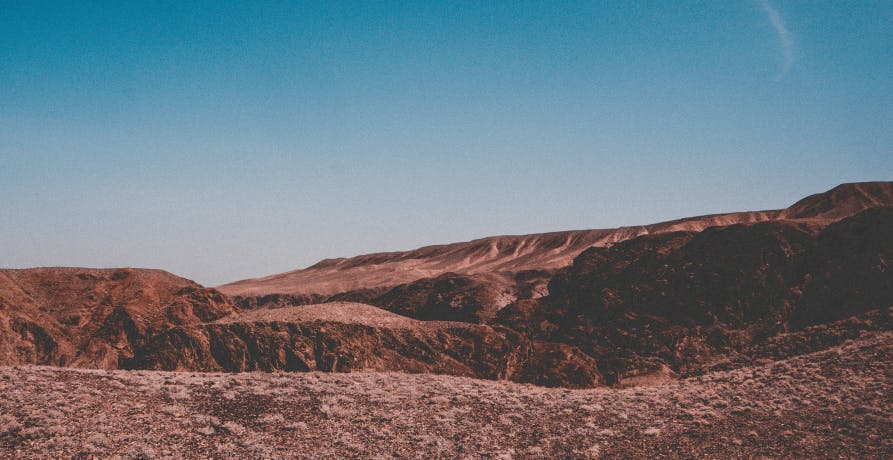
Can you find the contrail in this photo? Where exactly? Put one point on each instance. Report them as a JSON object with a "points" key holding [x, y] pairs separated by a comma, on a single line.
{"points": [[784, 36]]}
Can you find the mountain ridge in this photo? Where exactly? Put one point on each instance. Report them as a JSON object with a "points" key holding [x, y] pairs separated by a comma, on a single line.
{"points": [[539, 251]]}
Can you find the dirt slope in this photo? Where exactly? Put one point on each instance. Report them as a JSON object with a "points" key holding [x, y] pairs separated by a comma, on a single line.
{"points": [[503, 253], [832, 404]]}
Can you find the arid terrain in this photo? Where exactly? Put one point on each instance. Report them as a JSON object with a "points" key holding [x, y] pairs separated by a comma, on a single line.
{"points": [[743, 335], [832, 404]]}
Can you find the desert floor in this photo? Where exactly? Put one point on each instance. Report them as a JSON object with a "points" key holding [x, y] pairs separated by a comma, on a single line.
{"points": [[834, 404]]}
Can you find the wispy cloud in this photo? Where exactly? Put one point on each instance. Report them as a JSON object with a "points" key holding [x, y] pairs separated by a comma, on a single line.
{"points": [[785, 39]]}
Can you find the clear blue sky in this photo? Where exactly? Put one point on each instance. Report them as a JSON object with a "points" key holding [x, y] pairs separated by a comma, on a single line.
{"points": [[228, 141]]}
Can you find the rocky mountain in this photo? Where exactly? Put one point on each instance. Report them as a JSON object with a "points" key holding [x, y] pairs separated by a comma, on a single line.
{"points": [[500, 254], [94, 318], [150, 319], [683, 297], [472, 281], [688, 302]]}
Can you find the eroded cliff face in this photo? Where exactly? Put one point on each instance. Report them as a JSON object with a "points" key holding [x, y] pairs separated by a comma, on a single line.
{"points": [[386, 342]]}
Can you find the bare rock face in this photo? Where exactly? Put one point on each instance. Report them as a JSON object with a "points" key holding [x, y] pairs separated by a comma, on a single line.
{"points": [[92, 318]]}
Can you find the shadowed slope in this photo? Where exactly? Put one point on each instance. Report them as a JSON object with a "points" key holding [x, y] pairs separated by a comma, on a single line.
{"points": [[687, 302]]}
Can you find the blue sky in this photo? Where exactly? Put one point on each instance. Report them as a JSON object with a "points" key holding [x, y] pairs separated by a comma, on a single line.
{"points": [[228, 141]]}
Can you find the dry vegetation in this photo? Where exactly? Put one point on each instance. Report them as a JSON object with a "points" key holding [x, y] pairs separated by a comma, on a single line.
{"points": [[831, 404]]}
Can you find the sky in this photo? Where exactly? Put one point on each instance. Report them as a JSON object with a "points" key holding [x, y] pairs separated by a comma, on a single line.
{"points": [[229, 140]]}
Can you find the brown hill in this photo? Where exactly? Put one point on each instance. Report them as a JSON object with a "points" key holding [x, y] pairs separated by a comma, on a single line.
{"points": [[686, 302], [93, 318], [486, 255], [842, 201], [498, 254], [150, 319], [544, 251]]}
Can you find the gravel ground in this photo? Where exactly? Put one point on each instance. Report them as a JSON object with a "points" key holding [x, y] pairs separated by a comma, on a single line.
{"points": [[832, 404]]}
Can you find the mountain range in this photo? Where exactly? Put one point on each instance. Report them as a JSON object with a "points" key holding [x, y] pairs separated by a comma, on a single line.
{"points": [[621, 307]]}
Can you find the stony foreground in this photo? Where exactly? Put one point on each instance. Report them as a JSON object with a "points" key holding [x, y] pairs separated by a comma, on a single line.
{"points": [[832, 404]]}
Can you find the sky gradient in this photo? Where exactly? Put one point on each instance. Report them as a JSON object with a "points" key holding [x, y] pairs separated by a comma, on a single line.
{"points": [[222, 142]]}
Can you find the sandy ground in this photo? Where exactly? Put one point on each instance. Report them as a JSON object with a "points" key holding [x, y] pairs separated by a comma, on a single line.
{"points": [[832, 404]]}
